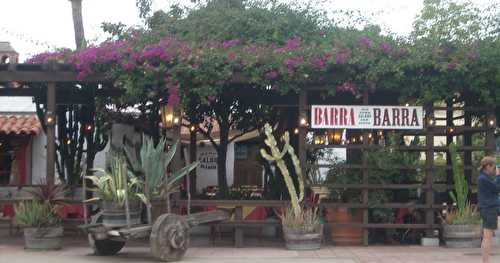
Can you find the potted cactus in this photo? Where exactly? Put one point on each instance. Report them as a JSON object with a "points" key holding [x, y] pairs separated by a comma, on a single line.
{"points": [[462, 224], [302, 228]]}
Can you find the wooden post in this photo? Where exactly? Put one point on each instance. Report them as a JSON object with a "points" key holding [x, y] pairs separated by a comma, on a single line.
{"points": [[125, 187], [302, 130], [429, 166], [51, 133], [490, 134], [238, 231], [191, 178], [468, 142], [364, 160], [449, 140]]}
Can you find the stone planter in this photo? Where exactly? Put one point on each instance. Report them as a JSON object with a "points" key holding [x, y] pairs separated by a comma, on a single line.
{"points": [[114, 215], [45, 238], [462, 236], [303, 239]]}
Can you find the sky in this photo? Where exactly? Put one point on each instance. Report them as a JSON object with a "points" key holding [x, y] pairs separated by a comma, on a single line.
{"points": [[34, 26]]}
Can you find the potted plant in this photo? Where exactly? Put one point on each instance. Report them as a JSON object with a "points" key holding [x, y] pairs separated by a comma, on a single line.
{"points": [[42, 225], [111, 187], [150, 161], [302, 228], [462, 224], [344, 236]]}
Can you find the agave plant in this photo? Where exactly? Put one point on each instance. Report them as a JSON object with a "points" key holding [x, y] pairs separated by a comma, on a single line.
{"points": [[153, 162], [37, 214], [109, 186]]}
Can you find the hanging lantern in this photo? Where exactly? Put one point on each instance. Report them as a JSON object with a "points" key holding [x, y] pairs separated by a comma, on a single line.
{"points": [[168, 118]]}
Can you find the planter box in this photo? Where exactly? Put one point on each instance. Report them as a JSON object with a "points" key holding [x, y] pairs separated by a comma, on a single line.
{"points": [[114, 215], [49, 238], [299, 239], [462, 236]]}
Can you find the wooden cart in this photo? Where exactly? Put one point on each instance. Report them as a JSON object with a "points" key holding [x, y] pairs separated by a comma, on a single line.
{"points": [[168, 236]]}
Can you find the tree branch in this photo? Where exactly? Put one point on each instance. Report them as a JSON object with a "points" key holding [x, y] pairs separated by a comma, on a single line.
{"points": [[245, 131], [207, 135]]}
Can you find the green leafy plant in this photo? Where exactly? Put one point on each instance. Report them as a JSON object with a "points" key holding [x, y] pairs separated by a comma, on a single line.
{"points": [[308, 220], [153, 162], [109, 186], [465, 212], [36, 214]]}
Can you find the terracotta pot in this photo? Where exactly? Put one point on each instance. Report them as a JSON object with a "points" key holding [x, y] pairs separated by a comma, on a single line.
{"points": [[342, 235]]}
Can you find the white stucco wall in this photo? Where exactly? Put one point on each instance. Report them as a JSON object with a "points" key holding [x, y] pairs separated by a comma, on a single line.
{"points": [[206, 173], [38, 158]]}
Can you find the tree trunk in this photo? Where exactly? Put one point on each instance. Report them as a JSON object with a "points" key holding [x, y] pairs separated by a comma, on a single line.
{"points": [[76, 7], [221, 160], [192, 158]]}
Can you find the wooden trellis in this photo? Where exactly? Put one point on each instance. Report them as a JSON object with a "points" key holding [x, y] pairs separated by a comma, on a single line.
{"points": [[431, 130]]}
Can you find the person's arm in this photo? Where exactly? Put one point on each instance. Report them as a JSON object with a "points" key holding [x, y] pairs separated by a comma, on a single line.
{"points": [[490, 185]]}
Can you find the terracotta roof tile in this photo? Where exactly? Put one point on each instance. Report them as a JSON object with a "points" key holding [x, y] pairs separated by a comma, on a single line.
{"points": [[20, 124]]}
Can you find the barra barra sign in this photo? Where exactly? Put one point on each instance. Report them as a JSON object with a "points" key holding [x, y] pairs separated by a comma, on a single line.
{"points": [[367, 117]]}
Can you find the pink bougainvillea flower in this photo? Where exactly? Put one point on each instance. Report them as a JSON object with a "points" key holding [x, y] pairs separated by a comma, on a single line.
{"points": [[348, 86], [293, 62], [173, 97], [320, 62], [365, 41], [342, 57], [271, 75], [386, 47], [231, 43], [293, 43], [452, 65]]}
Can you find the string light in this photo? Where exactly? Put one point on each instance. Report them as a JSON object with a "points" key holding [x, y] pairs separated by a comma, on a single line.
{"points": [[296, 131], [370, 135], [176, 120], [68, 142], [431, 121], [89, 127], [451, 130], [492, 122], [193, 128], [303, 122]]}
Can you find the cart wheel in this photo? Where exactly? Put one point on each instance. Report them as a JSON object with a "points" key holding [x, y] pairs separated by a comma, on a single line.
{"points": [[105, 247], [169, 238]]}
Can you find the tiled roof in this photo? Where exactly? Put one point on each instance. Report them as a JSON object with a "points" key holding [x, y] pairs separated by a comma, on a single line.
{"points": [[6, 47], [20, 124]]}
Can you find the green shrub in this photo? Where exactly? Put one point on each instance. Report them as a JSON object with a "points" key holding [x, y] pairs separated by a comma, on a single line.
{"points": [[36, 214]]}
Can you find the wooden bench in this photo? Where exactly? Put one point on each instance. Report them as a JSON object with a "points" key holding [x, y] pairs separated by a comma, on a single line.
{"points": [[238, 223]]}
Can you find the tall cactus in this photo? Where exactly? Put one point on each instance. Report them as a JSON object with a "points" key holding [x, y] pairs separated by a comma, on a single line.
{"points": [[278, 156]]}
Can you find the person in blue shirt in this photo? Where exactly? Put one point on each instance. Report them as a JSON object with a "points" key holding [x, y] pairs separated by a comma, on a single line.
{"points": [[487, 193]]}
